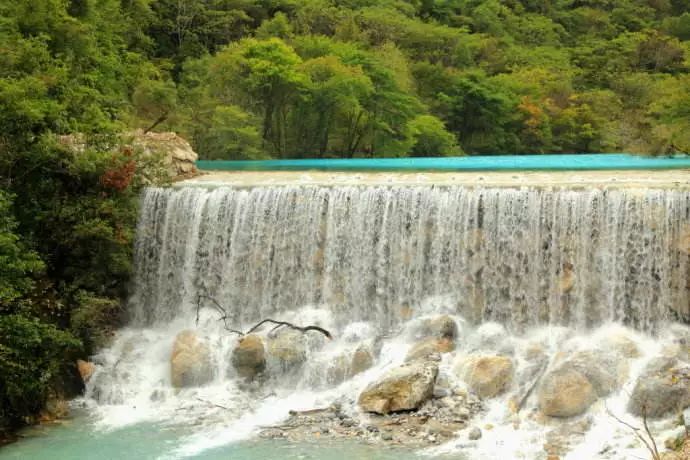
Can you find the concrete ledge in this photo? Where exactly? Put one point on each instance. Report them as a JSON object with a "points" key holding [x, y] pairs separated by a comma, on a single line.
{"points": [[666, 179]]}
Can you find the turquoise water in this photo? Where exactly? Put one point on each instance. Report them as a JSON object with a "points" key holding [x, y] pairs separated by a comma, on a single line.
{"points": [[77, 439], [470, 163]]}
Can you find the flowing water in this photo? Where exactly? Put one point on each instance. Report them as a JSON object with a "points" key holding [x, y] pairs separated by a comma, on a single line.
{"points": [[561, 269]]}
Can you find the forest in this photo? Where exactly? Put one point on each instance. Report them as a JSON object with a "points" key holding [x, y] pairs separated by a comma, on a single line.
{"points": [[259, 79]]}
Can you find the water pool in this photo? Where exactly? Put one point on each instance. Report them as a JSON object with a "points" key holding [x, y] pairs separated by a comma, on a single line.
{"points": [[579, 162]]}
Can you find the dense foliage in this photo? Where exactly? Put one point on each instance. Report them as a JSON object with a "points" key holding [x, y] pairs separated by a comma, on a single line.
{"points": [[284, 78]]}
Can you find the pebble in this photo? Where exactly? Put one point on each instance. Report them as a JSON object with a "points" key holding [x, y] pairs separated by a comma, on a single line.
{"points": [[475, 433], [386, 436]]}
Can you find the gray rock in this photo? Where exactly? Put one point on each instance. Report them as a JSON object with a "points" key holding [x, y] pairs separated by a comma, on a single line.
{"points": [[288, 349], [387, 436], [662, 389], [474, 434]]}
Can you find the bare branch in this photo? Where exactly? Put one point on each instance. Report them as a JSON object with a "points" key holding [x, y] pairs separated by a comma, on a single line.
{"points": [[278, 324]]}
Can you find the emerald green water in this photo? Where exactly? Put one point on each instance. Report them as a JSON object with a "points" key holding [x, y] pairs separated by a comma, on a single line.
{"points": [[78, 439]]}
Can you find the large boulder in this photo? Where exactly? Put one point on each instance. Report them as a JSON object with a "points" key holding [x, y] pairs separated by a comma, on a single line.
{"points": [[404, 388], [605, 371], [249, 357], [565, 392], [487, 376], [190, 362], [427, 347], [662, 389], [287, 348]]}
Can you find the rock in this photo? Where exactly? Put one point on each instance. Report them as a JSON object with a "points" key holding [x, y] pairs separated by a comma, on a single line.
{"points": [[387, 436], [427, 347], [565, 393], [178, 154], [605, 371], [404, 388], [249, 357], [622, 344], [474, 434], [566, 282], [86, 369], [190, 362], [441, 327], [487, 376], [662, 389], [362, 359], [288, 349]]}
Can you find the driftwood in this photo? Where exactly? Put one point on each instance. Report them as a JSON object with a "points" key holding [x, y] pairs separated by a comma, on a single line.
{"points": [[277, 324]]}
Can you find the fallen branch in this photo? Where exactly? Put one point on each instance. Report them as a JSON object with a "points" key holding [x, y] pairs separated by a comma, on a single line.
{"points": [[212, 404], [278, 324], [649, 444]]}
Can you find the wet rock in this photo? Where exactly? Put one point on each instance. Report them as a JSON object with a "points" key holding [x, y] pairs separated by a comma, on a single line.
{"points": [[288, 349], [565, 393], [491, 337], [248, 357], [474, 434], [190, 362], [605, 371], [440, 327], [622, 344], [86, 369], [362, 360], [387, 436], [487, 376], [427, 347], [403, 388], [662, 389]]}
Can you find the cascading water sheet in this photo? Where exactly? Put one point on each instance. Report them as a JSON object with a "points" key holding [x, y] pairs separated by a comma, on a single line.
{"points": [[532, 275], [517, 256]]}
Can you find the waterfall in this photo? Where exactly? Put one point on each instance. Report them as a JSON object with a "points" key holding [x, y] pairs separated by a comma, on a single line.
{"points": [[520, 257], [517, 269]]}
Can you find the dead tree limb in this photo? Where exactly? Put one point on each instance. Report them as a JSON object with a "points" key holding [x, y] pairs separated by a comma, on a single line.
{"points": [[278, 324], [649, 444]]}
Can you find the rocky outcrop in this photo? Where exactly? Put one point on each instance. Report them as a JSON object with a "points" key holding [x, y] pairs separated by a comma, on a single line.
{"points": [[86, 369], [287, 349], [190, 363], [565, 393], [487, 376], [428, 347], [662, 389], [404, 388], [178, 155], [249, 357]]}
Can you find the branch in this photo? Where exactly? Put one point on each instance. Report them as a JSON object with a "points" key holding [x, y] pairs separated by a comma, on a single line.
{"points": [[278, 324], [652, 448], [291, 326]]}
